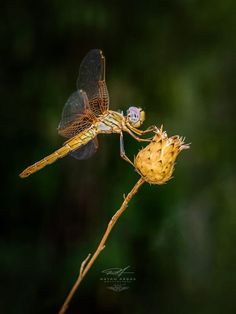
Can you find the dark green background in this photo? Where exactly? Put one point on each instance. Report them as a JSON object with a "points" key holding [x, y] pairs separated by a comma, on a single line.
{"points": [[176, 59]]}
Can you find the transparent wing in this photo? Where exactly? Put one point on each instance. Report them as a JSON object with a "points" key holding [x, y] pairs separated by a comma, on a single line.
{"points": [[86, 151], [73, 108], [92, 80], [76, 115], [90, 100]]}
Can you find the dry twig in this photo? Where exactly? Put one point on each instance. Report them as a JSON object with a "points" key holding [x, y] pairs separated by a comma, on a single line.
{"points": [[85, 268]]}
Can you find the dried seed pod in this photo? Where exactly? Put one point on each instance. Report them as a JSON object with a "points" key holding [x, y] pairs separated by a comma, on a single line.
{"points": [[155, 163]]}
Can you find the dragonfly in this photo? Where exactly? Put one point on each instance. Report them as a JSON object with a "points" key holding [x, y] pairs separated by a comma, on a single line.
{"points": [[86, 114]]}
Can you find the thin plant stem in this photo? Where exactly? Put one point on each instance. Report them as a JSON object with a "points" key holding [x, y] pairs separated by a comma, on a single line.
{"points": [[85, 268]]}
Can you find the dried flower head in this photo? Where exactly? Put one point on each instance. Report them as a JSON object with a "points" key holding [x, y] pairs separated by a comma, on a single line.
{"points": [[155, 163]]}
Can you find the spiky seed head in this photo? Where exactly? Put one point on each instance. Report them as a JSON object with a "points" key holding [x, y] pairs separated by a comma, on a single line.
{"points": [[155, 163]]}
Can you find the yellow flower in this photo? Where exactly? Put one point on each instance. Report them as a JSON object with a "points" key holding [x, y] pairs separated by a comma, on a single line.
{"points": [[155, 163]]}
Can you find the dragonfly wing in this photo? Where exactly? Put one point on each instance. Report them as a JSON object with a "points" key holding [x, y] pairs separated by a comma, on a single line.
{"points": [[75, 115], [86, 151], [92, 80]]}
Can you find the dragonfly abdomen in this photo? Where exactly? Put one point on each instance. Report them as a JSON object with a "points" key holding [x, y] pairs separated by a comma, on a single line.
{"points": [[72, 144]]}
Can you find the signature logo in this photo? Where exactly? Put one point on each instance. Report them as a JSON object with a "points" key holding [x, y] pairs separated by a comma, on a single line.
{"points": [[117, 279], [117, 288], [117, 271]]}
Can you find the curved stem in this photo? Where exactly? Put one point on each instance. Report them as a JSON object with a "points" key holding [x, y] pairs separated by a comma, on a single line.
{"points": [[101, 246]]}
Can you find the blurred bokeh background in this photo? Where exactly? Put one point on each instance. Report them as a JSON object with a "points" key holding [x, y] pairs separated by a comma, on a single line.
{"points": [[177, 60]]}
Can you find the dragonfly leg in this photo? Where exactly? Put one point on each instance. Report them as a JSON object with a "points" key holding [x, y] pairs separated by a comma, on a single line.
{"points": [[138, 138], [150, 129], [122, 150]]}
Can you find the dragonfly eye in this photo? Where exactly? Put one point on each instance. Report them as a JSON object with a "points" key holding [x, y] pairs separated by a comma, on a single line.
{"points": [[135, 116]]}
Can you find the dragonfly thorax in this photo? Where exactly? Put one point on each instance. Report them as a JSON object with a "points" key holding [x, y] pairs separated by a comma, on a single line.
{"points": [[135, 116], [111, 122]]}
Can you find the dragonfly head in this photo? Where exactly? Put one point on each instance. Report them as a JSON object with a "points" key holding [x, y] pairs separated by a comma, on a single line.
{"points": [[135, 116]]}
